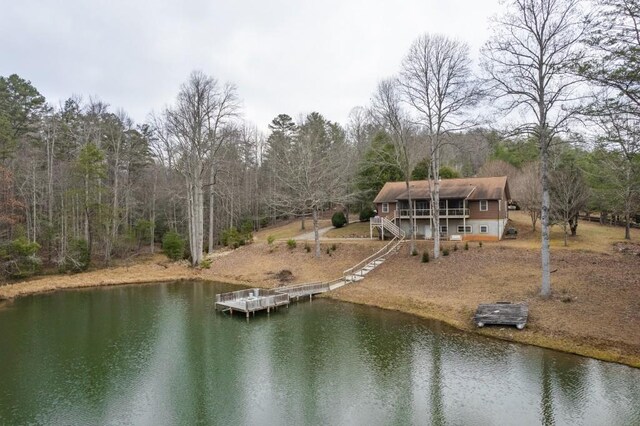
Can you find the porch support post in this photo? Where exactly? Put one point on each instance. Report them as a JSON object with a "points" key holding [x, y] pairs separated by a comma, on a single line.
{"points": [[464, 219]]}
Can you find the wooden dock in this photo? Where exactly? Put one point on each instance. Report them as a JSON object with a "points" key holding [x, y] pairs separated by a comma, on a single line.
{"points": [[257, 299], [250, 300], [502, 313]]}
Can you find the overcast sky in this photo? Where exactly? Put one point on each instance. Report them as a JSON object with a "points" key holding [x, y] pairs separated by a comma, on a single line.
{"points": [[284, 56]]}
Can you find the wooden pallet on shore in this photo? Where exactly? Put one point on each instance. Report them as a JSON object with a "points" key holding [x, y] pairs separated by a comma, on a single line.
{"points": [[502, 313]]}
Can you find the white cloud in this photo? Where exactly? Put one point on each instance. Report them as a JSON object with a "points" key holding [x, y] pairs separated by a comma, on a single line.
{"points": [[292, 57]]}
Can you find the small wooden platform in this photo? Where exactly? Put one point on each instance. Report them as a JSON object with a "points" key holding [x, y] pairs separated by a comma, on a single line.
{"points": [[502, 313], [258, 299], [251, 300]]}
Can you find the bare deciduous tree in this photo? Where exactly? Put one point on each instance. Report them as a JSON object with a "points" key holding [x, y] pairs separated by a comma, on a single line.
{"points": [[528, 62], [437, 82], [387, 112], [527, 191], [310, 173], [192, 129], [621, 166], [569, 196]]}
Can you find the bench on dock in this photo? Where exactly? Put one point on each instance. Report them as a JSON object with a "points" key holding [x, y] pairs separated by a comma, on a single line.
{"points": [[502, 313]]}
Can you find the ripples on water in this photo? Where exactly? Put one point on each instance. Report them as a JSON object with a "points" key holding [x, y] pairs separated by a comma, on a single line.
{"points": [[159, 354]]}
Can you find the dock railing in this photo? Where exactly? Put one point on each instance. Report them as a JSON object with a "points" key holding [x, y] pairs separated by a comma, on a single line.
{"points": [[244, 294], [304, 289], [266, 302]]}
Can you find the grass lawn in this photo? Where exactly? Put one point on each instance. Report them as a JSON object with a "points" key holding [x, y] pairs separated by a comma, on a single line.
{"points": [[352, 230], [288, 230], [591, 236]]}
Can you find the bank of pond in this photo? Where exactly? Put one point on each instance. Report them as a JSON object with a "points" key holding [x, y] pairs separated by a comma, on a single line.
{"points": [[160, 354]]}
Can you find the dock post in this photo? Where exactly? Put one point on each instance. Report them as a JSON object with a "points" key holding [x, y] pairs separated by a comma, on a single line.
{"points": [[247, 314]]}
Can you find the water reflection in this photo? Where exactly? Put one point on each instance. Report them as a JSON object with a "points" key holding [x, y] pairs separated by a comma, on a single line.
{"points": [[159, 354]]}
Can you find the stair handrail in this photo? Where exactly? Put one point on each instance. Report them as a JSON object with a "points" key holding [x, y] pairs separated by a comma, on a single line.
{"points": [[375, 256], [393, 228]]}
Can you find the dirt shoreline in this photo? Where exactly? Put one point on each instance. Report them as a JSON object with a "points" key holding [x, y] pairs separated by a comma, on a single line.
{"points": [[580, 318]]}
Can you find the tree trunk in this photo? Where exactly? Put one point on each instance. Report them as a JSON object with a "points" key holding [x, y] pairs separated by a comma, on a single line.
{"points": [[435, 212], [316, 234], [211, 212], [573, 224], [544, 219], [412, 233], [153, 210], [627, 228]]}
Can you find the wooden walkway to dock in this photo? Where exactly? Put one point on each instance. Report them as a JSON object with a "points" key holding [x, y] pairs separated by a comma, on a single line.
{"points": [[256, 299], [503, 313]]}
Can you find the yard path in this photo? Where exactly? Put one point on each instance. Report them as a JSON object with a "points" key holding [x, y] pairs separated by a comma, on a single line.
{"points": [[311, 236]]}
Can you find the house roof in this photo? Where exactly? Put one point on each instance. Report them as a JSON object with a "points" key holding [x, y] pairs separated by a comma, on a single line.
{"points": [[484, 188]]}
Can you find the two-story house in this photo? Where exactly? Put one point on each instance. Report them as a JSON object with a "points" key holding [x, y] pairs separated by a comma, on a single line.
{"points": [[470, 208]]}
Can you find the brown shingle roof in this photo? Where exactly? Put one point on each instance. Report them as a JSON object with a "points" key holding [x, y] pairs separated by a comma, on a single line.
{"points": [[485, 188]]}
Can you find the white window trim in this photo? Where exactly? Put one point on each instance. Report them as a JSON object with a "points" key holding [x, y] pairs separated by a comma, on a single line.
{"points": [[385, 207], [461, 229], [486, 205], [486, 229]]}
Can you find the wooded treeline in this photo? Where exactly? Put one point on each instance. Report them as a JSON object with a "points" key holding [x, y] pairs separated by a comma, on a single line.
{"points": [[82, 182]]}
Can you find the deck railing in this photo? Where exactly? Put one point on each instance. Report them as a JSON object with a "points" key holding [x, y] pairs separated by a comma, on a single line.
{"points": [[451, 212]]}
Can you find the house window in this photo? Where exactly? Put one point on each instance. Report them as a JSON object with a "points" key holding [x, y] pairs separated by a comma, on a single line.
{"points": [[385, 207], [484, 229], [484, 205], [465, 229], [443, 229]]}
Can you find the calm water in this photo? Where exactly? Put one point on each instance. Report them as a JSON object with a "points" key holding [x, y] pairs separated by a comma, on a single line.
{"points": [[159, 354]]}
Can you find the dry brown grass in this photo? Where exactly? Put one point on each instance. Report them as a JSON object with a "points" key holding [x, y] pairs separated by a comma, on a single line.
{"points": [[288, 230], [594, 309], [591, 235]]}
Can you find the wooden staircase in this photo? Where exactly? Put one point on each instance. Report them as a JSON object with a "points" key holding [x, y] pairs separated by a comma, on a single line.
{"points": [[296, 291]]}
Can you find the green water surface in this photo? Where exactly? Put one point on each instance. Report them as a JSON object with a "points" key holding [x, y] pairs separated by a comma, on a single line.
{"points": [[160, 355]]}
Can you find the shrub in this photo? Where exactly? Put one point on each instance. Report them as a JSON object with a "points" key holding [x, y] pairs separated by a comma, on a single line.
{"points": [[333, 247], [246, 229], [264, 222], [270, 239], [366, 214], [414, 252], [19, 259], [425, 257], [77, 258], [307, 248], [328, 251], [480, 244], [455, 247], [338, 219], [173, 245], [205, 263], [466, 246], [445, 252], [291, 243]]}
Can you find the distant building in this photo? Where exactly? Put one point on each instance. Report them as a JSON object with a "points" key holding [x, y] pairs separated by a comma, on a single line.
{"points": [[470, 208]]}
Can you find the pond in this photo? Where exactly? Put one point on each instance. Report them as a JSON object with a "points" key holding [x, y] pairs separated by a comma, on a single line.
{"points": [[160, 354]]}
